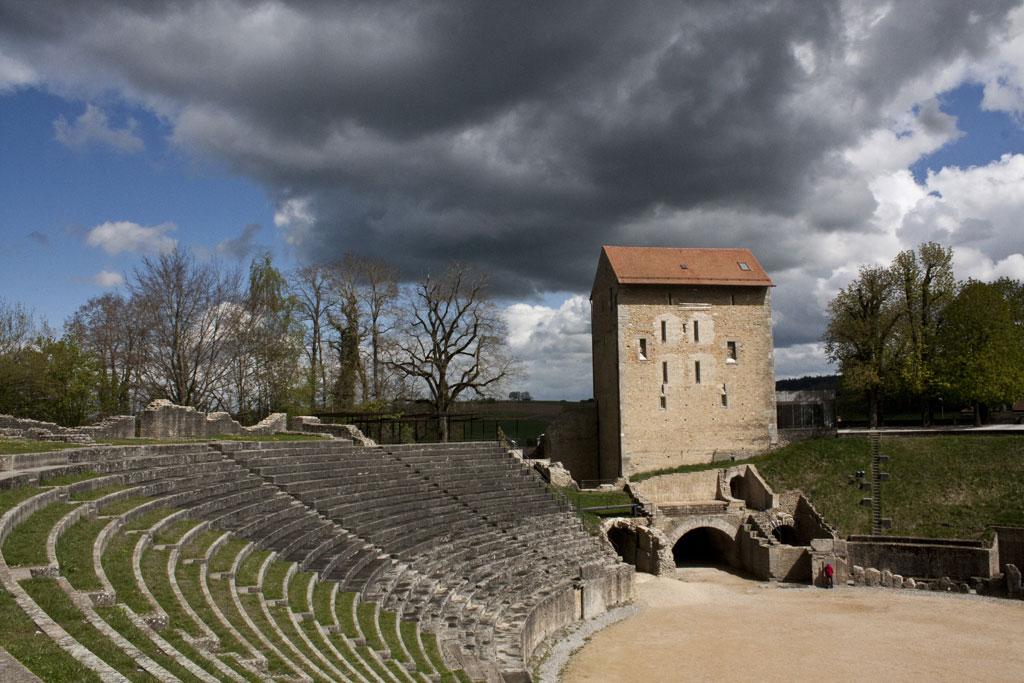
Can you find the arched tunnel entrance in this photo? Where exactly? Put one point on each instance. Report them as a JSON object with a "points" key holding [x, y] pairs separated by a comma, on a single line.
{"points": [[705, 547], [787, 535]]}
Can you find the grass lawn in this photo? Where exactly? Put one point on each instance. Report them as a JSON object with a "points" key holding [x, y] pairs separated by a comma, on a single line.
{"points": [[620, 500], [18, 446], [940, 486]]}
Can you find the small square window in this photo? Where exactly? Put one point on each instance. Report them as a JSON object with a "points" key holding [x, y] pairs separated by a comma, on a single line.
{"points": [[743, 265], [696, 372], [731, 346], [643, 349]]}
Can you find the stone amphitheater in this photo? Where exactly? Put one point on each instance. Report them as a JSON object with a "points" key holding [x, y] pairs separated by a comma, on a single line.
{"points": [[293, 561]]}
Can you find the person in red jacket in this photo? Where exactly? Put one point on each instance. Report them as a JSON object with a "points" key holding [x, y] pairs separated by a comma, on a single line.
{"points": [[829, 573]]}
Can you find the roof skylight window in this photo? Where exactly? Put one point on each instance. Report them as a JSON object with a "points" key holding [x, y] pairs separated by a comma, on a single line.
{"points": [[743, 265]]}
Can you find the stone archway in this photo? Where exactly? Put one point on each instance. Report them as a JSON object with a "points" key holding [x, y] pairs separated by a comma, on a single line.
{"points": [[642, 546], [705, 546]]}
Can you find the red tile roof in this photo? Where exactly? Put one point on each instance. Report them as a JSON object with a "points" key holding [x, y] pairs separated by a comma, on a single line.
{"points": [[669, 265]]}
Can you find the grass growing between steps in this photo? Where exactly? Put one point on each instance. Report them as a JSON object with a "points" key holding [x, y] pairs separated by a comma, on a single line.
{"points": [[251, 605], [220, 590], [26, 544], [249, 570], [189, 583], [407, 629], [96, 494], [120, 622], [297, 588], [19, 446], [49, 596], [117, 561], [388, 623], [282, 618], [74, 553], [345, 604], [67, 479], [366, 612], [222, 560], [940, 486], [11, 497], [433, 653], [122, 506], [273, 580], [172, 533], [40, 655]]}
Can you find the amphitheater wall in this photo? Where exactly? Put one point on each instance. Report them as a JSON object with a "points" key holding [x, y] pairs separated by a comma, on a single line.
{"points": [[552, 614], [572, 439], [924, 558], [679, 488], [1011, 545]]}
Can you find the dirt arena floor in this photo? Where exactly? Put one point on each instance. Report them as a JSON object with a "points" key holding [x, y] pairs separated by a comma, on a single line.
{"points": [[708, 625]]}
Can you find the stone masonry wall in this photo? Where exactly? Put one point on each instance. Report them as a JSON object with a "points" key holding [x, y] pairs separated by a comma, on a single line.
{"points": [[694, 426], [571, 439], [923, 558], [1011, 546], [604, 341]]}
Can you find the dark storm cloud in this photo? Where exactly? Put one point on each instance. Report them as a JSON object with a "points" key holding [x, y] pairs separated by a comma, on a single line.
{"points": [[521, 136], [243, 246]]}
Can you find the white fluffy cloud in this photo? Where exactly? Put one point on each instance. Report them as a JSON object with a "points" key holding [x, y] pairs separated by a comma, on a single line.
{"points": [[14, 73], [553, 345], [121, 236], [108, 279], [295, 218], [93, 128]]}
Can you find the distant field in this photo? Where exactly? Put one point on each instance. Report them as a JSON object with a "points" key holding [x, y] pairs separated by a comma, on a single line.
{"points": [[941, 486]]}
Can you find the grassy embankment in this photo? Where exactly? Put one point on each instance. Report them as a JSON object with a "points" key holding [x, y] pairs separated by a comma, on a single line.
{"points": [[940, 486]]}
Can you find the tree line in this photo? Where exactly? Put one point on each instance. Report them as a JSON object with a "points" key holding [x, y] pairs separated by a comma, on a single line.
{"points": [[911, 329], [337, 336]]}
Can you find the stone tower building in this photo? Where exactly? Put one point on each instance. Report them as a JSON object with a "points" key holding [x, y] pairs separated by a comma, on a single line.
{"points": [[682, 350]]}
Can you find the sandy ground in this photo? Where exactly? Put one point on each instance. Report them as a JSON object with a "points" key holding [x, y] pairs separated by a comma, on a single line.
{"points": [[707, 625]]}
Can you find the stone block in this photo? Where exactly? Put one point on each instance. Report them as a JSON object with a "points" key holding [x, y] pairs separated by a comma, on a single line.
{"points": [[945, 584], [886, 579], [963, 587], [858, 575], [910, 583], [897, 581], [922, 586], [822, 545], [872, 577], [1013, 581]]}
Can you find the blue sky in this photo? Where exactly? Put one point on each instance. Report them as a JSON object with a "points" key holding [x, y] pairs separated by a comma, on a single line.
{"points": [[822, 136], [52, 194]]}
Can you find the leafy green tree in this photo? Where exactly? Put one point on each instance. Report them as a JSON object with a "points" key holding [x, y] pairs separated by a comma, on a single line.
{"points": [[980, 356], [108, 327], [268, 343], [926, 285], [862, 336]]}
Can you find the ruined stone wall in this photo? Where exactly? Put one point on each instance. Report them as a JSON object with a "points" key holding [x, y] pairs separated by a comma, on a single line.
{"points": [[604, 342], [572, 439], [1010, 541], [685, 487], [694, 426], [924, 558]]}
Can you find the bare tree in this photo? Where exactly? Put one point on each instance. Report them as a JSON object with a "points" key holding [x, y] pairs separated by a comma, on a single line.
{"points": [[345, 320], [452, 341], [190, 312], [107, 327], [378, 282], [313, 295], [16, 327]]}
